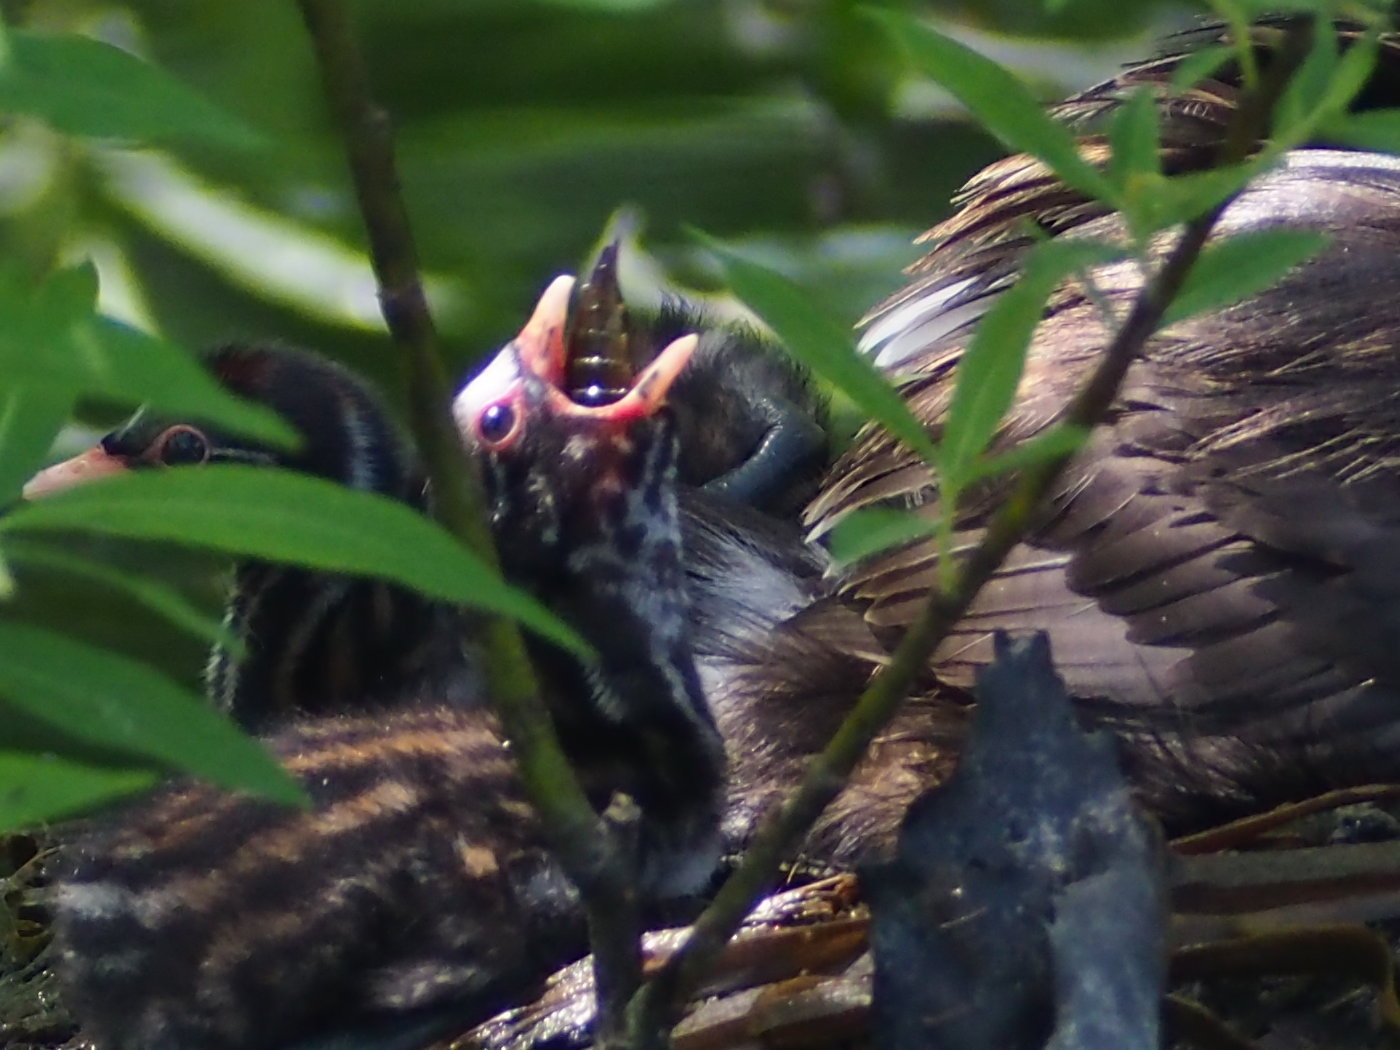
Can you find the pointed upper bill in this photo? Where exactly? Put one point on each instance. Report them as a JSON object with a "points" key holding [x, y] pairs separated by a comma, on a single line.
{"points": [[87, 466]]}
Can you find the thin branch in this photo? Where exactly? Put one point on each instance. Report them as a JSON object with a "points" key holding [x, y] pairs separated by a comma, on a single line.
{"points": [[578, 838], [659, 1002]]}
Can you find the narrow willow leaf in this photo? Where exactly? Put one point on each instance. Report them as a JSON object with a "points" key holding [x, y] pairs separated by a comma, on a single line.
{"points": [[1186, 196], [38, 788], [1352, 73], [30, 418], [1134, 164], [1376, 129], [1133, 138], [52, 338], [108, 700], [1325, 93], [159, 597], [281, 515], [1059, 440], [871, 530], [1000, 102], [1308, 86], [991, 368], [144, 369], [1198, 65], [85, 87], [1240, 265], [819, 342]]}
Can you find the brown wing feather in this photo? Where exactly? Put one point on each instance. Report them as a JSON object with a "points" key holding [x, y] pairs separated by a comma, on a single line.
{"points": [[1216, 570]]}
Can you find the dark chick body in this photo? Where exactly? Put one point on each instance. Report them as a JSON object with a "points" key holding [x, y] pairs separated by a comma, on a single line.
{"points": [[418, 877], [207, 921]]}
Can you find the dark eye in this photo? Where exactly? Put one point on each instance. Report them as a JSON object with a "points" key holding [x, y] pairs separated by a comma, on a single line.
{"points": [[182, 445], [497, 423]]}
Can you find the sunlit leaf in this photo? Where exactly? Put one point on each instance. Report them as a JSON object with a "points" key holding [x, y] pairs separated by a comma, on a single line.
{"points": [[38, 788], [282, 515], [873, 529], [999, 101], [107, 700], [1240, 265], [991, 368], [85, 87], [819, 342]]}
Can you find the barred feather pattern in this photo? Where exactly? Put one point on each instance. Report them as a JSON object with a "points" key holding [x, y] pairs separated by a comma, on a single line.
{"points": [[211, 920]]}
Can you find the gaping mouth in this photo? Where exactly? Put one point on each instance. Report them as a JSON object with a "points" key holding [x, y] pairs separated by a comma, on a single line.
{"points": [[577, 345]]}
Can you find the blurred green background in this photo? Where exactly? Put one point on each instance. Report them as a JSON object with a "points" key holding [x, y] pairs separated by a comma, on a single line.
{"points": [[522, 125], [788, 127]]}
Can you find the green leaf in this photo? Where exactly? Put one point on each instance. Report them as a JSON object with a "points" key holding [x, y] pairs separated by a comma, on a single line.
{"points": [[1133, 137], [1059, 440], [159, 597], [1309, 84], [819, 342], [38, 788], [1353, 72], [107, 700], [611, 5], [1240, 265], [30, 418], [50, 337], [1324, 87], [871, 530], [1186, 196], [85, 87], [144, 369], [990, 369], [282, 515], [1000, 102], [1134, 164], [1198, 65], [1375, 129]]}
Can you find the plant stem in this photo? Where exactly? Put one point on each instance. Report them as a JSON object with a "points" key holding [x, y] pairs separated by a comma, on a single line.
{"points": [[578, 838]]}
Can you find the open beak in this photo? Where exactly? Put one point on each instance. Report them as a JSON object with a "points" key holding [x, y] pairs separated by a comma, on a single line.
{"points": [[87, 466]]}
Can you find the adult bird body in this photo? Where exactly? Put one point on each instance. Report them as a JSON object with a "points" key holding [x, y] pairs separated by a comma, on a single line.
{"points": [[1214, 567]]}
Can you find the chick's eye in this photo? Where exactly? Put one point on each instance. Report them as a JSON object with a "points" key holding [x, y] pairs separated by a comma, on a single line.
{"points": [[182, 445], [498, 424]]}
